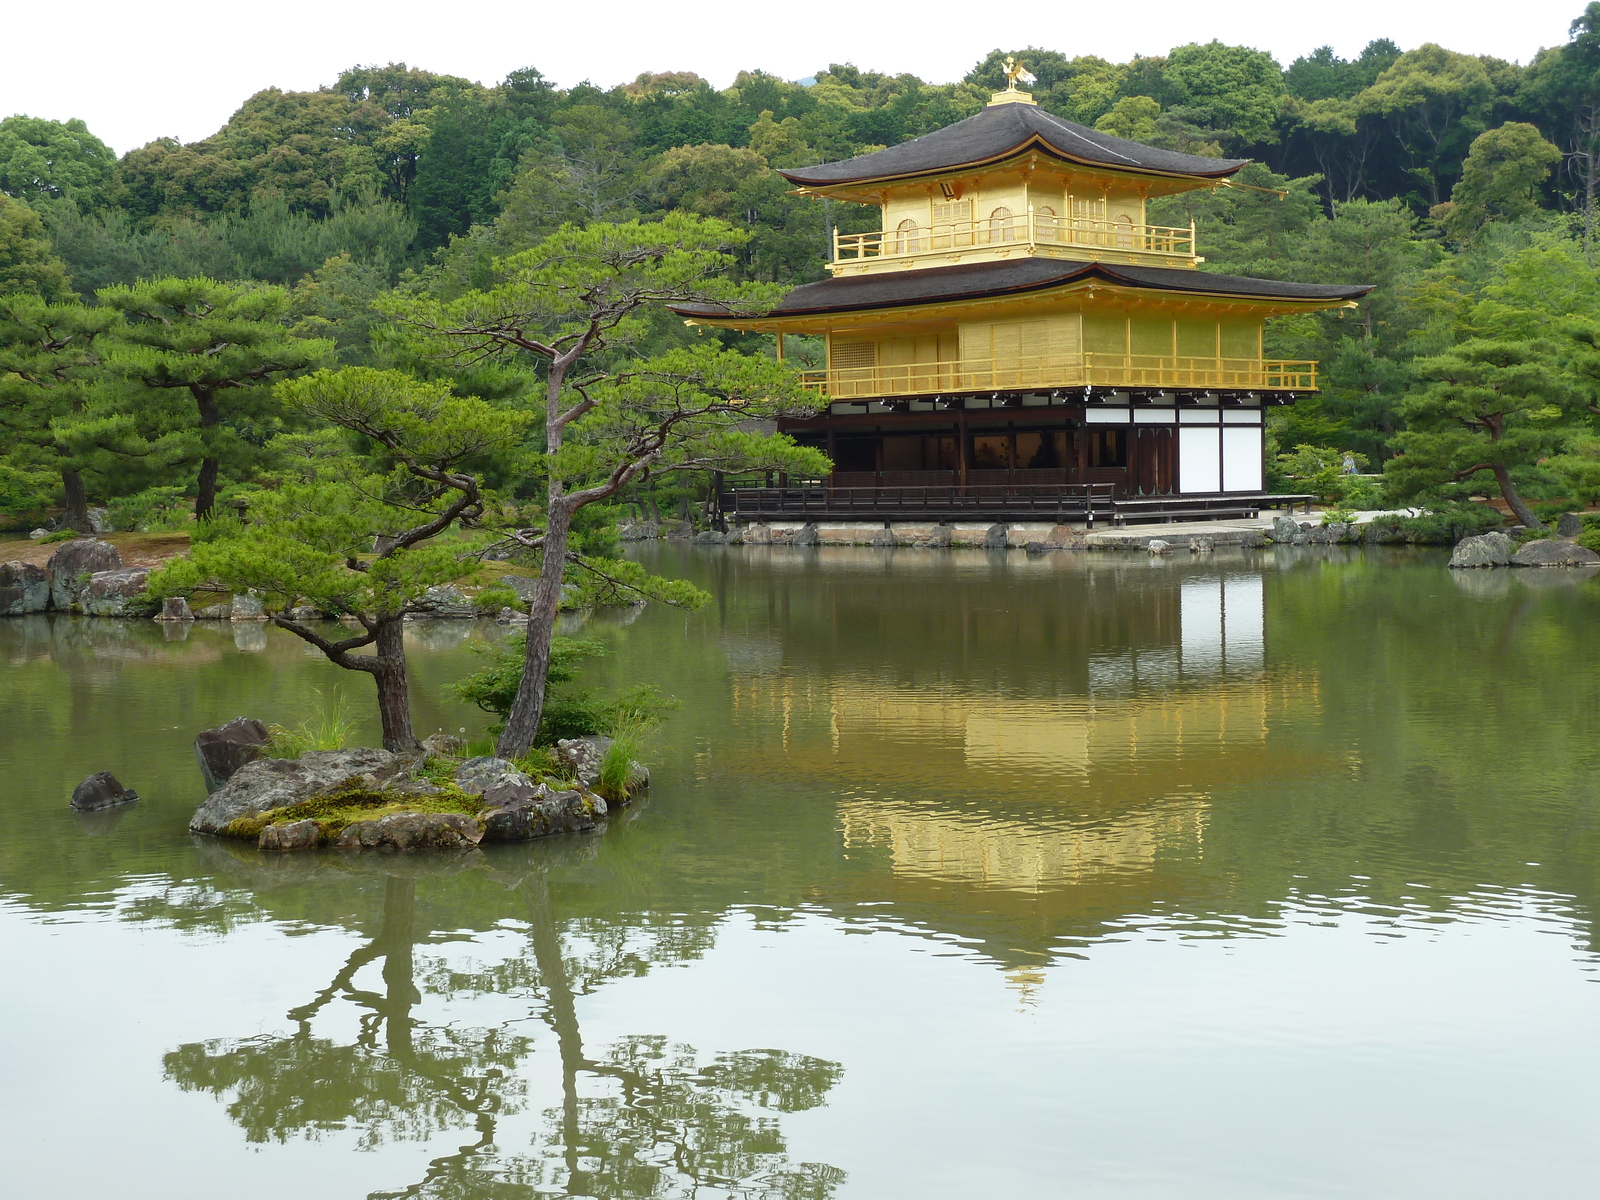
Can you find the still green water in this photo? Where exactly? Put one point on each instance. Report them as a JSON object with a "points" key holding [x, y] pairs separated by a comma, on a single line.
{"points": [[962, 875]]}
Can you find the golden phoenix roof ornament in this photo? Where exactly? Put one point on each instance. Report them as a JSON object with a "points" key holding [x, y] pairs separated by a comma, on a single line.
{"points": [[1014, 71]]}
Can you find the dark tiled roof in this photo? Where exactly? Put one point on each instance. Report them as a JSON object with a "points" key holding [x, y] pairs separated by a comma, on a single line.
{"points": [[999, 131], [894, 289]]}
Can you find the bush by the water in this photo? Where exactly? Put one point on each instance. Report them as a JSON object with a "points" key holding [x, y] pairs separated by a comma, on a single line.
{"points": [[569, 711], [1443, 525]]}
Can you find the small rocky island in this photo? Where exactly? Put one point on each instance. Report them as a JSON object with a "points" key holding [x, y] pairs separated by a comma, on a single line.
{"points": [[368, 799]]}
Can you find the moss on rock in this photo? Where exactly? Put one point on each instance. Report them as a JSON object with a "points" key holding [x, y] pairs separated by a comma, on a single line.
{"points": [[357, 799]]}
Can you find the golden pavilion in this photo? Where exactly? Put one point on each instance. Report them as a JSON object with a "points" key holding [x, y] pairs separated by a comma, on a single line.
{"points": [[1016, 341]]}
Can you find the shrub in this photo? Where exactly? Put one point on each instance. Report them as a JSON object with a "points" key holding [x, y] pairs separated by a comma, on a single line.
{"points": [[154, 510], [568, 711], [1447, 524], [496, 596], [1589, 539], [60, 535]]}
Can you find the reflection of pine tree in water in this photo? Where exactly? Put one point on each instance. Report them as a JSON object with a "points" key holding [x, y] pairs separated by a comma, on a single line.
{"points": [[662, 1125]]}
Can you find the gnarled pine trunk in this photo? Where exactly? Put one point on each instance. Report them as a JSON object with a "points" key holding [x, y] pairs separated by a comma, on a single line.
{"points": [[1518, 505], [522, 725], [389, 672], [76, 515]]}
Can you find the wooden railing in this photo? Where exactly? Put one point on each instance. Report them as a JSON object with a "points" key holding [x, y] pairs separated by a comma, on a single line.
{"points": [[1040, 372], [1028, 228]]}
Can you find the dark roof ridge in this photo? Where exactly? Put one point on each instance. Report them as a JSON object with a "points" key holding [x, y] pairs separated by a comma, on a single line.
{"points": [[999, 131]]}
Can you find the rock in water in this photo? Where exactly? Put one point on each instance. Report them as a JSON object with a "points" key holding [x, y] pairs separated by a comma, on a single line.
{"points": [[539, 813], [223, 750], [24, 588], [1552, 552], [295, 835], [582, 757], [996, 537], [175, 608], [1492, 549], [119, 593], [1569, 526], [214, 612], [71, 566], [101, 790], [1155, 547], [806, 535], [1284, 530], [412, 831], [1203, 544], [247, 608], [274, 782]]}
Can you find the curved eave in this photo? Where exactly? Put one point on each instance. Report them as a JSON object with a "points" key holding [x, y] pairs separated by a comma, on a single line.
{"points": [[1034, 144], [1087, 278]]}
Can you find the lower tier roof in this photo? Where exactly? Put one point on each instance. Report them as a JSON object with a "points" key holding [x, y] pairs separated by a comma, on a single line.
{"points": [[973, 281]]}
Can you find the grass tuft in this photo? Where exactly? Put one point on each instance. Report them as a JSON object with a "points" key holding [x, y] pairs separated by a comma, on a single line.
{"points": [[331, 729]]}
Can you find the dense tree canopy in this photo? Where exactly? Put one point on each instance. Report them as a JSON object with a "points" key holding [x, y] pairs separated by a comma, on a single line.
{"points": [[1436, 175]]}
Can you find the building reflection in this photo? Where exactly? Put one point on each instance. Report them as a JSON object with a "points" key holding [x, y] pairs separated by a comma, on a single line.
{"points": [[1092, 777]]}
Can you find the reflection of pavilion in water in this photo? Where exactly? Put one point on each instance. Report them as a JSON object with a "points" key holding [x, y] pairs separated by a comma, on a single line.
{"points": [[1023, 793]]}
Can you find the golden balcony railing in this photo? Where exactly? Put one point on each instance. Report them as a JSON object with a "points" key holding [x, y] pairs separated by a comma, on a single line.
{"points": [[1023, 230], [1091, 369]]}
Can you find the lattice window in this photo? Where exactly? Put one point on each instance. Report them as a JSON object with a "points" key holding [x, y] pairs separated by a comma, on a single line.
{"points": [[848, 356]]}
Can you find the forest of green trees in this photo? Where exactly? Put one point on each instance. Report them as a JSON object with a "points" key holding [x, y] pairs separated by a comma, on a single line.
{"points": [[1463, 186]]}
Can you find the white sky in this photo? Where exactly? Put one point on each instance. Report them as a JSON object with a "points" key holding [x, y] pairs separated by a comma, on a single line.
{"points": [[137, 72]]}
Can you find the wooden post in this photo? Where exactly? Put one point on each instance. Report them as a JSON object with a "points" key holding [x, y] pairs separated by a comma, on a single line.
{"points": [[780, 347], [961, 443]]}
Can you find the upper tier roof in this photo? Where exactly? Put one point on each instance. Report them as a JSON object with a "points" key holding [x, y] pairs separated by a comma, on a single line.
{"points": [[997, 133], [973, 281]]}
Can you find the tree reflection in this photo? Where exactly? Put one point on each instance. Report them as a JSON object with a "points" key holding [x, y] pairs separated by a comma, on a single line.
{"points": [[642, 1118]]}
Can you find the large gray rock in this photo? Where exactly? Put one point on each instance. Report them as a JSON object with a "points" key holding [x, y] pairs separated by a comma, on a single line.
{"points": [[711, 537], [479, 776], [525, 586], [269, 783], [1204, 544], [24, 588], [1156, 547], [247, 608], [1492, 549], [541, 813], [996, 537], [806, 535], [883, 539], [71, 567], [101, 790], [214, 612], [1284, 530], [223, 750], [1570, 525], [1553, 552], [412, 831], [118, 593], [582, 756], [447, 601]]}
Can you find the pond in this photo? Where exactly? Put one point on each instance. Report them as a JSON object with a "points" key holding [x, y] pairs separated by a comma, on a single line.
{"points": [[962, 874]]}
